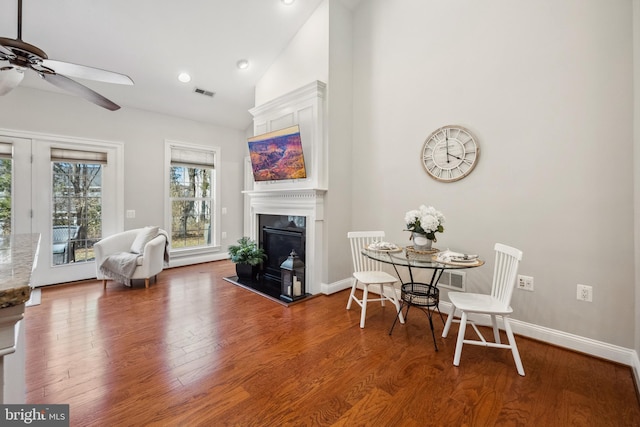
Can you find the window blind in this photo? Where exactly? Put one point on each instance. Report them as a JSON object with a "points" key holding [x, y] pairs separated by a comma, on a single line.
{"points": [[6, 150], [192, 157], [78, 156]]}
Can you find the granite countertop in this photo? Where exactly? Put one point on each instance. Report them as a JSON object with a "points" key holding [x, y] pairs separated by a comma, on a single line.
{"points": [[17, 256]]}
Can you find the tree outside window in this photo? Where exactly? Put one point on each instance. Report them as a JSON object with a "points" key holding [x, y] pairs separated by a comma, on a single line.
{"points": [[191, 206], [77, 211], [5, 197]]}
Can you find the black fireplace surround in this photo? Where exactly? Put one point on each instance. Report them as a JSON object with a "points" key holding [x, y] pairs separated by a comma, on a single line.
{"points": [[279, 235]]}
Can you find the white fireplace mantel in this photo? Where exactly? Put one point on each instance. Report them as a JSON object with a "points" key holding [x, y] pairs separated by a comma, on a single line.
{"points": [[308, 203], [305, 201]]}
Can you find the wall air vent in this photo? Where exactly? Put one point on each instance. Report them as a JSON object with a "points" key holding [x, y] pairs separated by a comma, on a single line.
{"points": [[204, 92], [453, 279]]}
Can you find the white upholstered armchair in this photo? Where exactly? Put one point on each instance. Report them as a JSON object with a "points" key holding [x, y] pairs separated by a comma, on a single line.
{"points": [[140, 253]]}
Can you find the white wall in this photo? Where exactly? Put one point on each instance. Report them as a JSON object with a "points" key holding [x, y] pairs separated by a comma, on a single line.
{"points": [[546, 87], [340, 130], [143, 134], [303, 61]]}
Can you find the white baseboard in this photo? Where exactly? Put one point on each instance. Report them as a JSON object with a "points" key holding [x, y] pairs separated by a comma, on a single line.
{"points": [[196, 259], [332, 288], [588, 346]]}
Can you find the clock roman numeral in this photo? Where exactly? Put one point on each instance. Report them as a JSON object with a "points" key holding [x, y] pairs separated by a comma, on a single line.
{"points": [[436, 171]]}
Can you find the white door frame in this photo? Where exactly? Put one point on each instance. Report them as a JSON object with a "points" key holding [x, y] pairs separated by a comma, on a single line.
{"points": [[40, 186], [20, 174]]}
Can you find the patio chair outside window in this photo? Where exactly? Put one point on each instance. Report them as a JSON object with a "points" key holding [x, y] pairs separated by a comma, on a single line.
{"points": [[64, 243]]}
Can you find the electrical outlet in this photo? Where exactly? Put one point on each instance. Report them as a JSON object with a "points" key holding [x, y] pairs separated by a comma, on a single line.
{"points": [[131, 213], [525, 283], [584, 293]]}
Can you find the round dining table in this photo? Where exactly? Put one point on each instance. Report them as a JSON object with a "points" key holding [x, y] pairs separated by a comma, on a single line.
{"points": [[425, 296]]}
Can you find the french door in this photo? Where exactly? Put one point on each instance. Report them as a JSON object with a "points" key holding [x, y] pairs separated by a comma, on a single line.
{"points": [[70, 192]]}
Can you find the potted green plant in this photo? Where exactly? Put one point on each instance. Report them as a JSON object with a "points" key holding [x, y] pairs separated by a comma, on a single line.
{"points": [[247, 256]]}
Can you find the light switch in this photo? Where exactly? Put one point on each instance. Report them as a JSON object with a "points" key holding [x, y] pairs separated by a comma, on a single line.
{"points": [[224, 211], [131, 213]]}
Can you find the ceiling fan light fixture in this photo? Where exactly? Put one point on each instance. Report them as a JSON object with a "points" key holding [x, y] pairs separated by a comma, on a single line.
{"points": [[242, 64], [288, 2], [9, 79], [184, 77]]}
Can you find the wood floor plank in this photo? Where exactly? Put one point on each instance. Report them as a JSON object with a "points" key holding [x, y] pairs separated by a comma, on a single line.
{"points": [[194, 349]]}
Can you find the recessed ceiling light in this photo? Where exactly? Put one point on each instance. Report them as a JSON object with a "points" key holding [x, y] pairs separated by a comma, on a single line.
{"points": [[288, 2], [184, 77], [242, 64]]}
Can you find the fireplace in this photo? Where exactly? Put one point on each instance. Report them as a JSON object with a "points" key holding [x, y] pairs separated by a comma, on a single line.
{"points": [[300, 214], [281, 234]]}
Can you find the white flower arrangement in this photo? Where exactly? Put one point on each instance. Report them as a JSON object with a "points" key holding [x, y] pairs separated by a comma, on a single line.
{"points": [[425, 220]]}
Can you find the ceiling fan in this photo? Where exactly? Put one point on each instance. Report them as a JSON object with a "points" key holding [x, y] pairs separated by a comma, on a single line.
{"points": [[22, 56]]}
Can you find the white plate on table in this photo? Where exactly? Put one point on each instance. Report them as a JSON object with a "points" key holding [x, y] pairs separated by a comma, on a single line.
{"points": [[464, 260], [378, 249]]}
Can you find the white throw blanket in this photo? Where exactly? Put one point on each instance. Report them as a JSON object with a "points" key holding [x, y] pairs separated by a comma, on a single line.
{"points": [[120, 266]]}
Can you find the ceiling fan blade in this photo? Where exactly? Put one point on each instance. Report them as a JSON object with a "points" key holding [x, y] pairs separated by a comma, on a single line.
{"points": [[88, 73], [9, 79], [6, 52], [82, 91]]}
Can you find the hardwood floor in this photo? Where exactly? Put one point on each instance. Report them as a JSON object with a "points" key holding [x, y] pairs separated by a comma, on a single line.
{"points": [[194, 349]]}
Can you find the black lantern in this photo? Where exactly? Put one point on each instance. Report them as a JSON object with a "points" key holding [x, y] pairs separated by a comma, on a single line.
{"points": [[292, 274]]}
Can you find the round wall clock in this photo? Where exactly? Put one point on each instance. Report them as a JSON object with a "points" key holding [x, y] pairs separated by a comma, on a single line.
{"points": [[450, 153]]}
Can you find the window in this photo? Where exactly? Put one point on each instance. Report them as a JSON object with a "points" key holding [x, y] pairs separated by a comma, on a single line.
{"points": [[5, 189], [76, 203], [192, 196]]}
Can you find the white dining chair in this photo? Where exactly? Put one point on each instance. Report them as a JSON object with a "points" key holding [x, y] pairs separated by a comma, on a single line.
{"points": [[495, 304], [369, 272]]}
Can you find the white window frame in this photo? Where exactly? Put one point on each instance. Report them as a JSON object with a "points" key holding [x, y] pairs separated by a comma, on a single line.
{"points": [[203, 253]]}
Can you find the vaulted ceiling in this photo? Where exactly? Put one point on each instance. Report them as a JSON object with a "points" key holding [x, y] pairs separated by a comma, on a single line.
{"points": [[152, 41]]}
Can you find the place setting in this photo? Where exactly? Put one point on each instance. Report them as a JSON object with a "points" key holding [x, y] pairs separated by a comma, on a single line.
{"points": [[457, 258], [382, 246]]}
